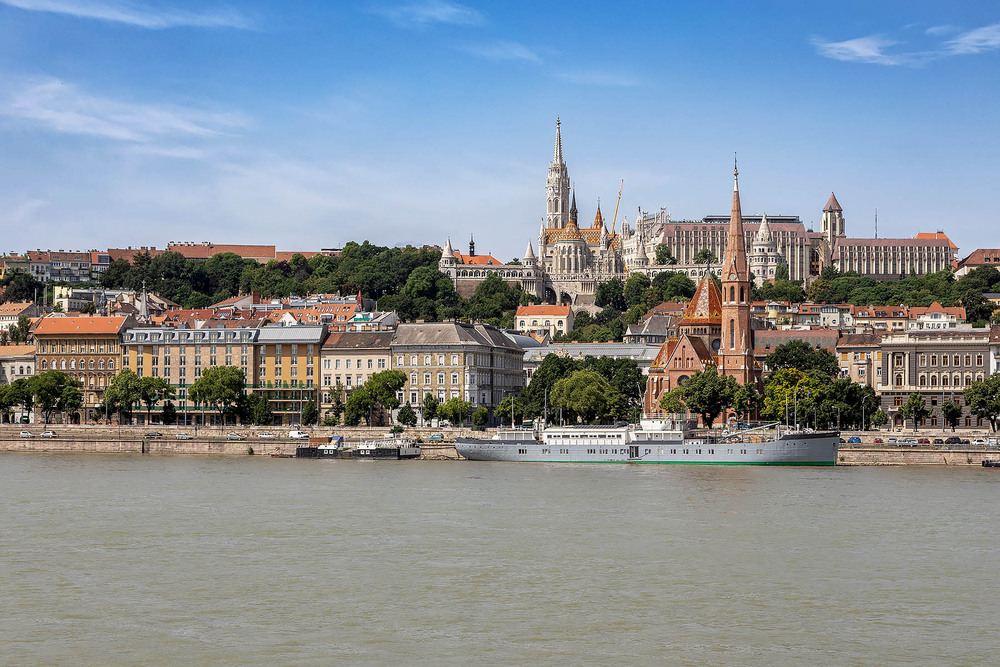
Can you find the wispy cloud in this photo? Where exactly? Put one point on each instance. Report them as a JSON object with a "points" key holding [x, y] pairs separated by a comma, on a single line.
{"points": [[135, 14], [429, 12], [599, 78], [876, 49], [979, 40], [502, 50], [64, 108], [941, 30], [869, 49]]}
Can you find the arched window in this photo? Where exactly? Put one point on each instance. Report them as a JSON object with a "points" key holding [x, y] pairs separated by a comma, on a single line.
{"points": [[91, 364], [100, 364], [732, 293], [111, 364], [934, 380], [922, 381], [63, 364], [944, 380], [732, 334], [742, 294]]}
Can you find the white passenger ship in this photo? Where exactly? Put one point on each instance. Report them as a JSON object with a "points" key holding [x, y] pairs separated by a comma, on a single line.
{"points": [[671, 440]]}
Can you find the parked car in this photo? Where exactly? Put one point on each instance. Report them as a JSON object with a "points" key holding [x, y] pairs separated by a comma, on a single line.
{"points": [[48, 434], [978, 442], [266, 435], [953, 440], [298, 435], [436, 436], [154, 434], [892, 441], [877, 441], [924, 441], [854, 440], [235, 436], [965, 441], [183, 436], [842, 441], [27, 434], [938, 441]]}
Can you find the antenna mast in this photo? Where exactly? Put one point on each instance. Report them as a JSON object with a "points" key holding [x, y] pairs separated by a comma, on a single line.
{"points": [[876, 223]]}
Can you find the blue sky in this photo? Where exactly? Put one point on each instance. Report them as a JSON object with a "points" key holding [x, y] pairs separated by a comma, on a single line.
{"points": [[308, 124]]}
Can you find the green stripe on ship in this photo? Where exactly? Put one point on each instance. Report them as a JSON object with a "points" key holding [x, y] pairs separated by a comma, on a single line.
{"points": [[691, 463]]}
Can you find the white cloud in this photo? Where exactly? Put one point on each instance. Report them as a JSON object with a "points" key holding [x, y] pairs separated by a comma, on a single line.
{"points": [[869, 49], [978, 40], [501, 50], [64, 108], [429, 12], [135, 14], [873, 49], [941, 30]]}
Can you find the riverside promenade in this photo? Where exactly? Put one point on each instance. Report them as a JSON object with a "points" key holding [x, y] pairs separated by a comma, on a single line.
{"points": [[213, 440]]}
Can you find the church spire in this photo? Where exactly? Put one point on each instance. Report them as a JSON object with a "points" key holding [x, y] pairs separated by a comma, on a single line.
{"points": [[764, 231], [557, 156], [572, 209], [734, 266]]}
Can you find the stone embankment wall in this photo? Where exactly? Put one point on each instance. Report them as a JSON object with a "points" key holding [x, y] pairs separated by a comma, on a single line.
{"points": [[130, 440], [896, 456]]}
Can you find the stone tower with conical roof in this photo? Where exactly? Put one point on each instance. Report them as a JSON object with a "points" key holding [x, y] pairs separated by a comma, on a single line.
{"points": [[833, 225], [764, 255], [736, 353], [557, 187]]}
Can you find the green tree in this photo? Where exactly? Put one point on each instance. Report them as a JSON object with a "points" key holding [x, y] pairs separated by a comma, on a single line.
{"points": [[257, 409], [310, 415], [123, 393], [706, 257], [384, 388], [879, 418], [152, 391], [220, 387], [635, 289], [610, 293], [747, 400], [407, 415], [790, 391], [983, 399], [799, 355], [56, 391], [169, 413], [429, 408], [455, 410], [915, 408], [673, 402], [951, 410], [707, 393], [510, 404], [21, 392], [781, 272], [19, 332], [88, 308], [21, 286], [360, 405], [663, 255], [480, 416], [674, 286], [583, 394]]}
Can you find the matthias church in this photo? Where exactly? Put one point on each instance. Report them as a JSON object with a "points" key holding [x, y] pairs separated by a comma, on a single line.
{"points": [[573, 259]]}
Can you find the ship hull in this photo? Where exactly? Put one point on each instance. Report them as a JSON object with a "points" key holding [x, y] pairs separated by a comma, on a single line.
{"points": [[810, 449]]}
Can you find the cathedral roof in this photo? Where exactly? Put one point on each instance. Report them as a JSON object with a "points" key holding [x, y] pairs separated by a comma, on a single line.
{"points": [[598, 219], [590, 235], [572, 233], [832, 204], [478, 259], [705, 305]]}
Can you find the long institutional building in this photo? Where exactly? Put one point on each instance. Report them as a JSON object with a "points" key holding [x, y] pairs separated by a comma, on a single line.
{"points": [[575, 255]]}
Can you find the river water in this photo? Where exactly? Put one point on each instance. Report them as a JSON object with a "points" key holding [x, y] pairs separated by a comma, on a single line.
{"points": [[116, 559]]}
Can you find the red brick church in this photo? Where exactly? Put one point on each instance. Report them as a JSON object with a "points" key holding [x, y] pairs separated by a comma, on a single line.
{"points": [[715, 329]]}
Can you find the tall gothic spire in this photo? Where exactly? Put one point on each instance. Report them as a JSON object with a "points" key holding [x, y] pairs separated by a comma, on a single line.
{"points": [[557, 156], [764, 231], [734, 267], [572, 209]]}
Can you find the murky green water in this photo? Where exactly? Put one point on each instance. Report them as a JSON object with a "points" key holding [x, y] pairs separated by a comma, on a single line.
{"points": [[108, 559]]}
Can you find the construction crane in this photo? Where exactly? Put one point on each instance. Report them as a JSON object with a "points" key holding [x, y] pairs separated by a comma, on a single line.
{"points": [[615, 219]]}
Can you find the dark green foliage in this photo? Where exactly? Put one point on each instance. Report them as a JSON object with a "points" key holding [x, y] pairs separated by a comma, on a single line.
{"points": [[310, 415], [664, 256], [610, 293], [428, 408], [625, 381], [169, 413], [407, 415], [21, 286], [480, 416], [799, 355]]}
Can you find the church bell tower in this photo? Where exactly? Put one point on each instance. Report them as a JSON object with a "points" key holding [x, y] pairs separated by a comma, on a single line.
{"points": [[736, 353]]}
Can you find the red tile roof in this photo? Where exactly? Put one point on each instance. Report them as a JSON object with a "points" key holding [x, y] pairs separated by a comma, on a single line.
{"points": [[541, 310], [832, 204], [80, 325]]}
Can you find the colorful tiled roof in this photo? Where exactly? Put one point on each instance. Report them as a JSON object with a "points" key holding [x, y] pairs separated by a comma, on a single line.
{"points": [[705, 305]]}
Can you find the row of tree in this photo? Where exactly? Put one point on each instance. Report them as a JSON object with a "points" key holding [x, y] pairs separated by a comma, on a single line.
{"points": [[50, 392]]}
